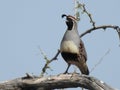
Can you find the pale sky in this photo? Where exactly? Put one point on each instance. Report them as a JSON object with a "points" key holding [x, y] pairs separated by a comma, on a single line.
{"points": [[26, 25]]}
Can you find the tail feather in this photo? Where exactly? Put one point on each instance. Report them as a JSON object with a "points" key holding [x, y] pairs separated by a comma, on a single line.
{"points": [[84, 69]]}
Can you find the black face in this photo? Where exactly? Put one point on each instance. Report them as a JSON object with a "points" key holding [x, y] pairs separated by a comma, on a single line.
{"points": [[69, 23]]}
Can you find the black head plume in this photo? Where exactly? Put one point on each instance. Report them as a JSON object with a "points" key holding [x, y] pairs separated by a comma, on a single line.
{"points": [[64, 15], [69, 21]]}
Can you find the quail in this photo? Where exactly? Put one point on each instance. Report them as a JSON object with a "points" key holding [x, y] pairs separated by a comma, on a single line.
{"points": [[72, 47]]}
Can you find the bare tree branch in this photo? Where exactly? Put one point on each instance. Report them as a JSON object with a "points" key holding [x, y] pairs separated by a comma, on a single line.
{"points": [[82, 7], [55, 82], [56, 55], [89, 15], [117, 28], [46, 66]]}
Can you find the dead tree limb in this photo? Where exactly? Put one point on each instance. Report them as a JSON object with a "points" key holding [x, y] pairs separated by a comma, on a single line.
{"points": [[55, 82], [117, 28]]}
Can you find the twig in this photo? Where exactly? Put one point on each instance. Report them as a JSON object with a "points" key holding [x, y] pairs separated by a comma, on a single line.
{"points": [[82, 7], [117, 28], [100, 61], [28, 76], [56, 55], [46, 66], [77, 6], [89, 15]]}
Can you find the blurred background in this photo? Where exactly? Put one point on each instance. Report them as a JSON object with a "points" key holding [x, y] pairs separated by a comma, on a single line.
{"points": [[28, 25]]}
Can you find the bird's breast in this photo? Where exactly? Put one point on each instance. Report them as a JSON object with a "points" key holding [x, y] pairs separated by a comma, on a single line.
{"points": [[69, 46]]}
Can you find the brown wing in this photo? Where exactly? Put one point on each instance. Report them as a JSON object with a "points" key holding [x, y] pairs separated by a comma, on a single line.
{"points": [[82, 50], [82, 58]]}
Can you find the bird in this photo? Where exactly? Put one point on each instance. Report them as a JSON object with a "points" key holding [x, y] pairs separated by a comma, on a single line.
{"points": [[72, 47]]}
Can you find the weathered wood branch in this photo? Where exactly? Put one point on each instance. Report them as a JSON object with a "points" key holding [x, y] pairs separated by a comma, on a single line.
{"points": [[55, 82], [117, 28]]}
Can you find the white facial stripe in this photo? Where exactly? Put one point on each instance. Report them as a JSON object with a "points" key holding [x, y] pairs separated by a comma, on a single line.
{"points": [[73, 18]]}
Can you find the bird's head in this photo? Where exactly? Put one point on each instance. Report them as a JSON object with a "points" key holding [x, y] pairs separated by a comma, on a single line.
{"points": [[71, 21]]}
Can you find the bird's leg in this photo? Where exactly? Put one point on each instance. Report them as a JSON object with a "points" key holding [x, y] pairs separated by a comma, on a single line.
{"points": [[67, 68]]}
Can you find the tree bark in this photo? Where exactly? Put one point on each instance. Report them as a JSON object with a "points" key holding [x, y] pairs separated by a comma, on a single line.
{"points": [[55, 82]]}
